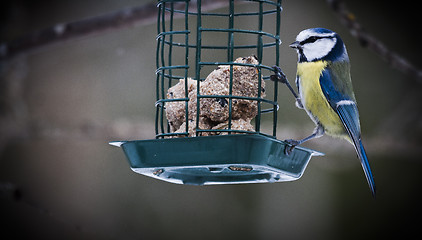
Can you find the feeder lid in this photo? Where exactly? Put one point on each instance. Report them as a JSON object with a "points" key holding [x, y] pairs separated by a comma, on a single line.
{"points": [[223, 159]]}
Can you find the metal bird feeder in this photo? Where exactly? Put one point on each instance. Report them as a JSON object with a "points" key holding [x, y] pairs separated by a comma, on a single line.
{"points": [[228, 154]]}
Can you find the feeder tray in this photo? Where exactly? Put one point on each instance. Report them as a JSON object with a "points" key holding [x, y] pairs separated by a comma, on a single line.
{"points": [[228, 159], [227, 155]]}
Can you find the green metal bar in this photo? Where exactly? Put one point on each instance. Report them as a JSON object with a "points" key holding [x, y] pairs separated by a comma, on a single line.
{"points": [[161, 34], [172, 100], [163, 64], [230, 58], [237, 64], [173, 77], [197, 60], [157, 62], [238, 31], [171, 41], [160, 69], [260, 42], [163, 135], [268, 110], [186, 64], [229, 131], [230, 41], [222, 47], [158, 77], [225, 14], [277, 63], [236, 131], [170, 46], [260, 57], [157, 112], [238, 97]]}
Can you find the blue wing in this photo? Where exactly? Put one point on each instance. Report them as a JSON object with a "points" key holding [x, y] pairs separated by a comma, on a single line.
{"points": [[338, 96]]}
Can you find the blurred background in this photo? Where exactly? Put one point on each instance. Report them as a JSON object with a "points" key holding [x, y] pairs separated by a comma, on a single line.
{"points": [[60, 105]]}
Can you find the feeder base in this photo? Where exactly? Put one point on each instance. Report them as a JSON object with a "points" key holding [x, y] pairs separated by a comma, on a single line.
{"points": [[227, 159]]}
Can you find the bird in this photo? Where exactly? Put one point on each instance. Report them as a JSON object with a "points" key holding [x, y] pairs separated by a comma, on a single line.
{"points": [[325, 91]]}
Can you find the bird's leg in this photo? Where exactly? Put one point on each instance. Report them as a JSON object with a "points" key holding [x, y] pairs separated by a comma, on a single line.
{"points": [[281, 77], [318, 132]]}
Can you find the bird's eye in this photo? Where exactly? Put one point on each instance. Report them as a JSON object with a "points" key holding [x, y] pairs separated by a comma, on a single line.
{"points": [[313, 39], [310, 40]]}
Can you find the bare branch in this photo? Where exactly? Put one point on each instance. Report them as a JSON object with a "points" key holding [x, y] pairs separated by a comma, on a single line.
{"points": [[366, 40], [140, 15]]}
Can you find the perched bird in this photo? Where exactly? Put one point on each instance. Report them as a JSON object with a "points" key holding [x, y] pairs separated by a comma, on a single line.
{"points": [[325, 90]]}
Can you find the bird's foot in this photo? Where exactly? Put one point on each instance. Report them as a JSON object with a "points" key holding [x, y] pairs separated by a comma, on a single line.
{"points": [[279, 75], [291, 146]]}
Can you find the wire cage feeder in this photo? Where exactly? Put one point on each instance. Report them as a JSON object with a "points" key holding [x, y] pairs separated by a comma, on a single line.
{"points": [[209, 136]]}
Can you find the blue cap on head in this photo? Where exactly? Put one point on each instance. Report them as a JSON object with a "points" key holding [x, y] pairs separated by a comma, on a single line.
{"points": [[321, 30]]}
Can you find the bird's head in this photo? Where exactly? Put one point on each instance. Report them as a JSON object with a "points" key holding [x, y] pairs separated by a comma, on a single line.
{"points": [[319, 44]]}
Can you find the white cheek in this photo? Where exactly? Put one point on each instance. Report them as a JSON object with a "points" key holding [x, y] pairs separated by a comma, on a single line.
{"points": [[318, 49]]}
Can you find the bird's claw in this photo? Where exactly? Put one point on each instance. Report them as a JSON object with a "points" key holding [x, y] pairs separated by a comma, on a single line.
{"points": [[279, 75], [291, 146]]}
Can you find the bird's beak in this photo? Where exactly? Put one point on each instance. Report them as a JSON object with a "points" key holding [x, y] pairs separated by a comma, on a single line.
{"points": [[295, 45]]}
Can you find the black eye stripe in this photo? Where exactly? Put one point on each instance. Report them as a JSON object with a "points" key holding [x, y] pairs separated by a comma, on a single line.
{"points": [[314, 39], [309, 40]]}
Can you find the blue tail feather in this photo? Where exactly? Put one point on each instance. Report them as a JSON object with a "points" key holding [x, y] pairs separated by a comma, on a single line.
{"points": [[350, 117], [366, 168]]}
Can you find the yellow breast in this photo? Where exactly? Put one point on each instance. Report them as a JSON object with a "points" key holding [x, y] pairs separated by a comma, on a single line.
{"points": [[313, 99]]}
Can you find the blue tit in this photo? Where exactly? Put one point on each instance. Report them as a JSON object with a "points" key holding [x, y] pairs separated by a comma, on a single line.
{"points": [[325, 90]]}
